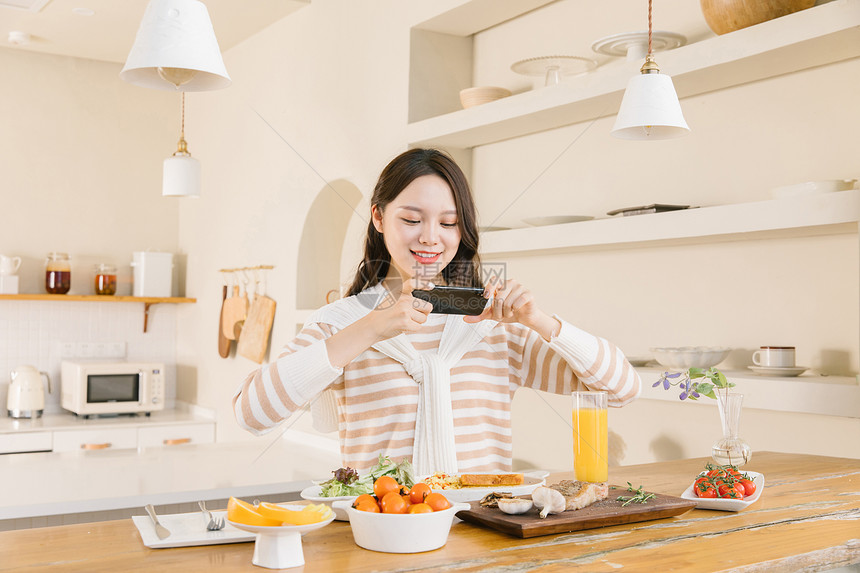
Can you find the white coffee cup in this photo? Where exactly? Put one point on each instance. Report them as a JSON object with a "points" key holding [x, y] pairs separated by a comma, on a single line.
{"points": [[774, 357], [9, 265]]}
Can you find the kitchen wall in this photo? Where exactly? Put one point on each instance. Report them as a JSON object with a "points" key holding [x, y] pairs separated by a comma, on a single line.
{"points": [[322, 95], [81, 157]]}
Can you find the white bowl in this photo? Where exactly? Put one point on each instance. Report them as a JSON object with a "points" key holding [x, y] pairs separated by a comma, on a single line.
{"points": [[685, 357], [400, 533]]}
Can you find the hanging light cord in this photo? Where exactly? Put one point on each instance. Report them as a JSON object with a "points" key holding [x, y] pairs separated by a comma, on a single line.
{"points": [[649, 30], [182, 125], [182, 147]]}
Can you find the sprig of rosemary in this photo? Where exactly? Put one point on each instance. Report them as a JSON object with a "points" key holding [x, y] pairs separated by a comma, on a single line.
{"points": [[639, 497], [695, 382]]}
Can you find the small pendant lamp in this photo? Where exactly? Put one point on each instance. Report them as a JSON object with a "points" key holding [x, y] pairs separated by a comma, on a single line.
{"points": [[176, 49], [650, 107]]}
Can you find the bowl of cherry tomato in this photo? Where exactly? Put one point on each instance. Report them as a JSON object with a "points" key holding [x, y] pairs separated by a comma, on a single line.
{"points": [[396, 519], [725, 488]]}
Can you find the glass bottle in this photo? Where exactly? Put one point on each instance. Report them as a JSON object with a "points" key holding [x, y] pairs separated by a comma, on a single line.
{"points": [[105, 280], [58, 273], [730, 449]]}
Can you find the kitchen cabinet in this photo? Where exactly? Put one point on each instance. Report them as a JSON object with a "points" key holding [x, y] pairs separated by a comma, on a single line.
{"points": [[147, 301], [95, 439], [175, 435], [26, 442]]}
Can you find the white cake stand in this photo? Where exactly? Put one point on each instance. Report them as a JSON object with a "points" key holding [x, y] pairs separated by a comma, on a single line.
{"points": [[279, 547], [634, 45], [552, 68]]}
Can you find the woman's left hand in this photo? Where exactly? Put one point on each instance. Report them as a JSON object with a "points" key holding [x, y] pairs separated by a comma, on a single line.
{"points": [[513, 302]]}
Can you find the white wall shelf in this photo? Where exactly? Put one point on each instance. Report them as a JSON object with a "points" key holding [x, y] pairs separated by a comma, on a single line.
{"points": [[813, 37], [823, 214], [811, 394]]}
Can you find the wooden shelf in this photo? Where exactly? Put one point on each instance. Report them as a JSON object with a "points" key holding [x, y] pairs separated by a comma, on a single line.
{"points": [[823, 214], [808, 393], [146, 300], [817, 36]]}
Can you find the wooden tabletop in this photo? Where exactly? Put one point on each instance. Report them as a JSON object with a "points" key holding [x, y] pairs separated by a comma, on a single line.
{"points": [[807, 518]]}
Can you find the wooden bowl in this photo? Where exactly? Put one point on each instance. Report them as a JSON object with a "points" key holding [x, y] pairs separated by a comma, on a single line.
{"points": [[471, 97], [725, 16]]}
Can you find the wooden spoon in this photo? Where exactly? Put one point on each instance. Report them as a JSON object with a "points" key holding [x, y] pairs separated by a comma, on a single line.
{"points": [[223, 341]]}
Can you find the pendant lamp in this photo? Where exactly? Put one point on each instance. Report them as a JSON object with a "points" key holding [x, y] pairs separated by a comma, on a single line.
{"points": [[650, 107], [176, 49]]}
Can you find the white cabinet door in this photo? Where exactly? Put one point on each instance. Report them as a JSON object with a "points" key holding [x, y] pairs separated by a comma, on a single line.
{"points": [[25, 442], [174, 435], [95, 439]]}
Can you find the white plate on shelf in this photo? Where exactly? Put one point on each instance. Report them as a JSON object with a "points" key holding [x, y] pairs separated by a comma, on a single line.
{"points": [[639, 360], [492, 229], [314, 494], [531, 480], [726, 504], [779, 370], [188, 529], [556, 220]]}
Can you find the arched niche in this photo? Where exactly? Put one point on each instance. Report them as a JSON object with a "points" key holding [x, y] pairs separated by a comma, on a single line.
{"points": [[321, 245]]}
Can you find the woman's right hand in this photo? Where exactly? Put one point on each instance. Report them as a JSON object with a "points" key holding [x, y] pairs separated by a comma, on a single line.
{"points": [[405, 313]]}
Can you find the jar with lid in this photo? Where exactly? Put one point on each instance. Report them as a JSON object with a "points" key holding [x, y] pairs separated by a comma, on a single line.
{"points": [[105, 281], [58, 273]]}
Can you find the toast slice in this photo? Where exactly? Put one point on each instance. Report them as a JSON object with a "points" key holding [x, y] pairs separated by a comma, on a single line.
{"points": [[490, 480]]}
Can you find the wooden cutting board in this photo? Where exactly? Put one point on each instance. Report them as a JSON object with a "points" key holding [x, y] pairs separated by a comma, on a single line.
{"points": [[254, 339], [235, 310], [223, 341], [601, 514]]}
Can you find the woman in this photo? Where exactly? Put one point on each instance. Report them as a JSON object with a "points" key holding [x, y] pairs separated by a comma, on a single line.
{"points": [[397, 380]]}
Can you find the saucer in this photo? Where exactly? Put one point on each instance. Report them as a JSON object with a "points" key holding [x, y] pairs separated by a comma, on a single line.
{"points": [[778, 370]]}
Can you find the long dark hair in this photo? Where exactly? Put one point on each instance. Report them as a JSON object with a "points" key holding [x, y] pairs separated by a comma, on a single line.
{"points": [[464, 268]]}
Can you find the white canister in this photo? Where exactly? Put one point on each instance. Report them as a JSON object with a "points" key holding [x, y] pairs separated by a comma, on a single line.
{"points": [[153, 273]]}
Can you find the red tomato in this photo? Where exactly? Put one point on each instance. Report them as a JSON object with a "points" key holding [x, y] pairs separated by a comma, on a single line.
{"points": [[708, 492], [749, 486], [702, 486], [733, 494], [437, 501], [418, 492], [393, 502], [717, 473]]}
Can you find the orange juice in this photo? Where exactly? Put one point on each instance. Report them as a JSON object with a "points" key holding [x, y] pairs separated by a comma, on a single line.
{"points": [[590, 444]]}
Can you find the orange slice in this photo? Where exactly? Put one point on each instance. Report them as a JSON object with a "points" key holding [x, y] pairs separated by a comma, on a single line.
{"points": [[313, 513], [239, 511]]}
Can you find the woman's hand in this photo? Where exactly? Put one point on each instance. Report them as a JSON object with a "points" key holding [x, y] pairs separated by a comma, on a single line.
{"points": [[403, 314], [513, 302]]}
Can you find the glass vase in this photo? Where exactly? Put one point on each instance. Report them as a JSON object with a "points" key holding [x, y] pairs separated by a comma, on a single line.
{"points": [[730, 449]]}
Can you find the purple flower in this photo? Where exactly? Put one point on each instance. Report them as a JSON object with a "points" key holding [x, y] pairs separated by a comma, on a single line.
{"points": [[665, 383], [657, 383], [683, 396], [673, 375]]}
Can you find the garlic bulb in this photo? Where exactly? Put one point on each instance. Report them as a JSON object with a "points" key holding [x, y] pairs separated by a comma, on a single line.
{"points": [[548, 500], [514, 505]]}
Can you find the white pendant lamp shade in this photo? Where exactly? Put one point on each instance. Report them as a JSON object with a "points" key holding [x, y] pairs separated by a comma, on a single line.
{"points": [[181, 177], [650, 109], [176, 48]]}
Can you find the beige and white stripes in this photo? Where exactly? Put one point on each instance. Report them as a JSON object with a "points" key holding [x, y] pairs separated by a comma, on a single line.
{"points": [[377, 399]]}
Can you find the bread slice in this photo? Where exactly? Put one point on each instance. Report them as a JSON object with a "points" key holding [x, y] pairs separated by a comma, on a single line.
{"points": [[490, 480]]}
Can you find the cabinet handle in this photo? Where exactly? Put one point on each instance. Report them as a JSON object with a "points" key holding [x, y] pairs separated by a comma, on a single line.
{"points": [[176, 441], [104, 446]]}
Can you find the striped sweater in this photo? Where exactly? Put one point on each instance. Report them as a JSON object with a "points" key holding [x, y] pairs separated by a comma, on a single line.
{"points": [[377, 399]]}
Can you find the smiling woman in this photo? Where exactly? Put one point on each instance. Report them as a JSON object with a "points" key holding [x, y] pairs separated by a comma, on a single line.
{"points": [[398, 378]]}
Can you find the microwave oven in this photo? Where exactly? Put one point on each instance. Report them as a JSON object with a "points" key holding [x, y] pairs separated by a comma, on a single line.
{"points": [[100, 388]]}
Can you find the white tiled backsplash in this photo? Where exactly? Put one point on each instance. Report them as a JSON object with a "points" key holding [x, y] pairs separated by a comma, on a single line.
{"points": [[43, 333]]}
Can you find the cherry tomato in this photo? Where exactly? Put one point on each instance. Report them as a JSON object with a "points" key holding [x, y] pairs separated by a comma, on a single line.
{"points": [[749, 486], [709, 492], [437, 501], [717, 473], [733, 494], [369, 506], [418, 492], [393, 502], [419, 508], [364, 498], [383, 485], [702, 486]]}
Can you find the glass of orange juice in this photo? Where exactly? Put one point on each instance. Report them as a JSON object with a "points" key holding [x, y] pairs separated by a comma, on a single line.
{"points": [[590, 437]]}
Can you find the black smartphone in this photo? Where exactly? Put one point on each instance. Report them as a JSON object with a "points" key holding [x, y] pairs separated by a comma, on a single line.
{"points": [[454, 300]]}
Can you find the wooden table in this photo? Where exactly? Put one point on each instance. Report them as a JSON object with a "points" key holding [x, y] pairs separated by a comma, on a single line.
{"points": [[808, 518]]}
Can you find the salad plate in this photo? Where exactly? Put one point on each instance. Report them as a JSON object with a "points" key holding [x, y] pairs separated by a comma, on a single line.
{"points": [[314, 494], [726, 504]]}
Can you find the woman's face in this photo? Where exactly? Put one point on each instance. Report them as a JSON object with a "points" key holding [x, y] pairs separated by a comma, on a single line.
{"points": [[419, 228]]}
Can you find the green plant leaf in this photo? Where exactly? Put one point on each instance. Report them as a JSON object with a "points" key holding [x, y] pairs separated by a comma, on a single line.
{"points": [[696, 373]]}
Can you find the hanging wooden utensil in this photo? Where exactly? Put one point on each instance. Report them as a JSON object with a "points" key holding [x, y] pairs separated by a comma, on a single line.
{"points": [[258, 326], [235, 310], [223, 341]]}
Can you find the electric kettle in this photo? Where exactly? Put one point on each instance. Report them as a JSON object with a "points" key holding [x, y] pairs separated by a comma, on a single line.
{"points": [[26, 394]]}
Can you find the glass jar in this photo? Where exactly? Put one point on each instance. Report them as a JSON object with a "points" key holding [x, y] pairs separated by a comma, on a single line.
{"points": [[58, 273], [105, 281]]}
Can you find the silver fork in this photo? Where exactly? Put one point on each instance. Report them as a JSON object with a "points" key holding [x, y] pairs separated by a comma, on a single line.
{"points": [[215, 523]]}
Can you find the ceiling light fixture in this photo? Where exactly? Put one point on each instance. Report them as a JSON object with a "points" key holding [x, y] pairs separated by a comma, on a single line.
{"points": [[650, 108], [176, 49]]}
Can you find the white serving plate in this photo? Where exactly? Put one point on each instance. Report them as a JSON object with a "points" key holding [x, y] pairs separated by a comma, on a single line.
{"points": [[779, 370], [726, 504], [188, 529], [466, 494]]}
